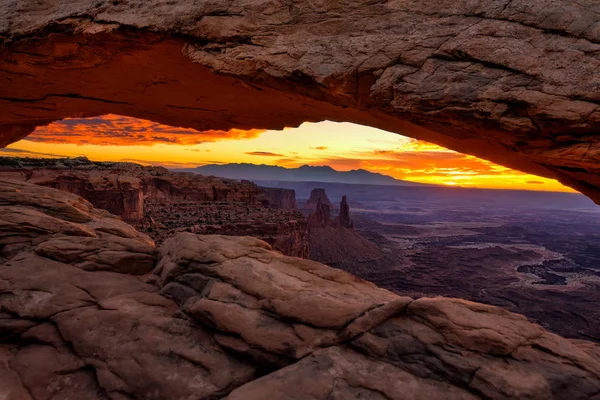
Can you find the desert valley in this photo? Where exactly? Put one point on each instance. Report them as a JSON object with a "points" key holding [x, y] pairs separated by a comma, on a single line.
{"points": [[488, 246]]}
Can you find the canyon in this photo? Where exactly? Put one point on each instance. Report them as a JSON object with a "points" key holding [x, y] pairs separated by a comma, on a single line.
{"points": [[333, 241], [91, 309], [533, 253], [160, 202]]}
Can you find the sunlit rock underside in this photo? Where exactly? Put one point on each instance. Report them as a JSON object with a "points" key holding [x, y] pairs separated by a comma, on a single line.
{"points": [[512, 81]]}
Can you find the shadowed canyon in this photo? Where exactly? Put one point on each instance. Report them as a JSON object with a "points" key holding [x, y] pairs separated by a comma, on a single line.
{"points": [[122, 281]]}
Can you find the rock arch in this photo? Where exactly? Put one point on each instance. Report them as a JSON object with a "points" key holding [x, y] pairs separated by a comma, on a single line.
{"points": [[512, 81]]}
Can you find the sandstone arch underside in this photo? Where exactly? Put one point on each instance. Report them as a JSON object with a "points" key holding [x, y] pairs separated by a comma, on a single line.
{"points": [[513, 81]]}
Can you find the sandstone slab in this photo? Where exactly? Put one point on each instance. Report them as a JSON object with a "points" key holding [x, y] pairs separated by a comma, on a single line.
{"points": [[224, 317]]}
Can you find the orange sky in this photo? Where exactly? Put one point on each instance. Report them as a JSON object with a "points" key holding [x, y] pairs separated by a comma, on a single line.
{"points": [[342, 146]]}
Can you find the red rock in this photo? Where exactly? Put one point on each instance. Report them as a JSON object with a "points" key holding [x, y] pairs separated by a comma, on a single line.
{"points": [[225, 317], [159, 201], [282, 199], [513, 82], [316, 196], [344, 218], [320, 216]]}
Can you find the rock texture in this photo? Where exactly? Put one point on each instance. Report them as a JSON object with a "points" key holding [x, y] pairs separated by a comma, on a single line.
{"points": [[335, 243], [64, 227], [124, 188], [512, 81], [317, 196], [343, 219], [281, 199], [224, 317], [159, 201], [287, 233], [320, 217]]}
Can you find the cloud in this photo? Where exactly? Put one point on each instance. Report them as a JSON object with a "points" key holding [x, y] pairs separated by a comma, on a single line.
{"points": [[264, 154], [430, 160], [290, 162], [165, 163], [535, 182], [320, 148], [433, 162], [116, 130], [17, 152]]}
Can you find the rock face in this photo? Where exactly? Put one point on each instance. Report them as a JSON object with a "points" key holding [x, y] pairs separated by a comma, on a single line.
{"points": [[317, 196], [344, 218], [281, 199], [117, 192], [320, 217], [61, 226], [159, 201], [511, 81], [124, 188], [334, 241], [288, 234], [224, 317]]}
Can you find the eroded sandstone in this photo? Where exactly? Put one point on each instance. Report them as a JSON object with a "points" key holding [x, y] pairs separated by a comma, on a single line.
{"points": [[334, 242], [227, 317], [159, 202], [512, 81]]}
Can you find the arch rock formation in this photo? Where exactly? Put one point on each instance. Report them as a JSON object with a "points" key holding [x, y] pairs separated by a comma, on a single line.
{"points": [[512, 81]]}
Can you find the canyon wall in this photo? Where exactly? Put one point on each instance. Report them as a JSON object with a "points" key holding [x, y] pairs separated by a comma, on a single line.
{"points": [[282, 199], [160, 201], [317, 196]]}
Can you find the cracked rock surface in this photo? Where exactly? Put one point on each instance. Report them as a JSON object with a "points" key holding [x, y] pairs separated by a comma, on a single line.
{"points": [[512, 81], [220, 317]]}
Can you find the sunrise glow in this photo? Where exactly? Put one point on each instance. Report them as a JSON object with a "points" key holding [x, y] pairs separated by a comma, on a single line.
{"points": [[343, 146]]}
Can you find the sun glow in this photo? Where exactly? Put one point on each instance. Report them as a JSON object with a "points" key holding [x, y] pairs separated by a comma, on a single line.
{"points": [[343, 146]]}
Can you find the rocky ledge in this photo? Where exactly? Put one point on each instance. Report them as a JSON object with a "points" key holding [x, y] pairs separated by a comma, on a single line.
{"points": [[161, 202], [89, 310]]}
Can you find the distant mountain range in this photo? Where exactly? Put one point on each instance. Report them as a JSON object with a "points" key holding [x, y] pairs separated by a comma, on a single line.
{"points": [[305, 173]]}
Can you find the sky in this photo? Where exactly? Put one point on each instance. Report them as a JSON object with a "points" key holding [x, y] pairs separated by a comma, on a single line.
{"points": [[343, 146]]}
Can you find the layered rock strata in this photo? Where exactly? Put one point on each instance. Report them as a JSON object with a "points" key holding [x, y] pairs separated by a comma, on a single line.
{"points": [[512, 81], [224, 317], [281, 199], [317, 196], [159, 201]]}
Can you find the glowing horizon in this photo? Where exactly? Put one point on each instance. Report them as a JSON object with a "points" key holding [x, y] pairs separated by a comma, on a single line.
{"points": [[342, 146]]}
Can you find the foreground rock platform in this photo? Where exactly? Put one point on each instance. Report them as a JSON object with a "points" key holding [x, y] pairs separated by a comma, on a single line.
{"points": [[511, 81], [221, 317]]}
